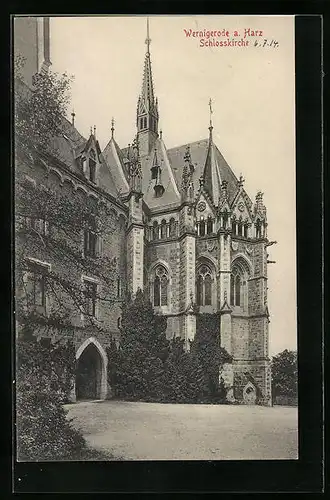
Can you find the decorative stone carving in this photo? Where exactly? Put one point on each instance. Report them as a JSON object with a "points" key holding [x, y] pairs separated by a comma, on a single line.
{"points": [[234, 245], [201, 206], [248, 249]]}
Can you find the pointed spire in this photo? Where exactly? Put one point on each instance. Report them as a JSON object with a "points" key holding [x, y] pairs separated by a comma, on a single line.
{"points": [[211, 170], [148, 40], [112, 127], [211, 112], [147, 107]]}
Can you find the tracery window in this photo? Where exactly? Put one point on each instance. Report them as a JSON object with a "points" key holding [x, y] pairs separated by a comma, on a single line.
{"points": [[202, 228], [155, 231], [239, 285], [160, 287], [204, 286], [209, 226], [172, 227], [163, 229]]}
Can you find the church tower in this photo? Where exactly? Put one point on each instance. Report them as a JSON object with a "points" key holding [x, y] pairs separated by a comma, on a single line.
{"points": [[147, 107]]}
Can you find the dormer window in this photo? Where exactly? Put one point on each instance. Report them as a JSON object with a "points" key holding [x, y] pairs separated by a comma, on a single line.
{"points": [[92, 166]]}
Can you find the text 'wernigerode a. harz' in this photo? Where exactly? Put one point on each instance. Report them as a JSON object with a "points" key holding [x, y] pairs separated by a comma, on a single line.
{"points": [[246, 37]]}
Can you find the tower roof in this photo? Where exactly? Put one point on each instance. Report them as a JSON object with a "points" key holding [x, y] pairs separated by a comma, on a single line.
{"points": [[147, 102]]}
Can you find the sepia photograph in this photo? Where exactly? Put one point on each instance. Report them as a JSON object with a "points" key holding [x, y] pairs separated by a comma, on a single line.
{"points": [[155, 238]]}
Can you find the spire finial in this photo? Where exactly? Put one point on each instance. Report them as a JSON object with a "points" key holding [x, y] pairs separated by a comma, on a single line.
{"points": [[148, 40], [91, 130], [211, 112], [241, 181], [94, 129], [161, 134], [112, 127], [73, 114]]}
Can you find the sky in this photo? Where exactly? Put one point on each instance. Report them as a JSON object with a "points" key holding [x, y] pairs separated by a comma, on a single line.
{"points": [[253, 95]]}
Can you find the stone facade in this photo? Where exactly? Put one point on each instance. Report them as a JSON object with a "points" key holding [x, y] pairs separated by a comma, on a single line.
{"points": [[186, 231]]}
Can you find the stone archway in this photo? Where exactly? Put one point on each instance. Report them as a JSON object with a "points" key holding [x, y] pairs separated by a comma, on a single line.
{"points": [[91, 372]]}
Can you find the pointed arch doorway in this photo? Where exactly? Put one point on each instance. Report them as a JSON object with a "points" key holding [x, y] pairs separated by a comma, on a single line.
{"points": [[91, 372]]}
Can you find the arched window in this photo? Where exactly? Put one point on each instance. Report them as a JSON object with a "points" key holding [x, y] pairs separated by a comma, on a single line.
{"points": [[163, 229], [258, 229], [209, 226], [237, 290], [202, 228], [172, 227], [160, 287], [204, 286], [225, 220], [245, 231], [233, 225], [239, 284], [155, 231], [239, 229]]}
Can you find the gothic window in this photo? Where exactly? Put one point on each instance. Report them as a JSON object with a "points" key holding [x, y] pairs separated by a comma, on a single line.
{"points": [[238, 284], [163, 229], [245, 230], [141, 123], [204, 286], [202, 228], [90, 242], [90, 239], [239, 232], [258, 229], [144, 122], [234, 227], [172, 227], [237, 290], [160, 287], [35, 282], [209, 226], [90, 292], [38, 288], [155, 231], [225, 220]]}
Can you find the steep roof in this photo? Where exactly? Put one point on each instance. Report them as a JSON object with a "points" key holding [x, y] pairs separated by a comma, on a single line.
{"points": [[199, 153], [115, 160]]}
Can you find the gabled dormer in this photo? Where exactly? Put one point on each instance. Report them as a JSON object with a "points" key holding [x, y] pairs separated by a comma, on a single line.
{"points": [[205, 212], [89, 159]]}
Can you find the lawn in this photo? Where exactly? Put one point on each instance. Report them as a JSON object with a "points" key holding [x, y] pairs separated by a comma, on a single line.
{"points": [[152, 431]]}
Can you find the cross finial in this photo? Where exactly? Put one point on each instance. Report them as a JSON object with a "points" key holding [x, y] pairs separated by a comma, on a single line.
{"points": [[112, 127], [211, 111], [148, 40]]}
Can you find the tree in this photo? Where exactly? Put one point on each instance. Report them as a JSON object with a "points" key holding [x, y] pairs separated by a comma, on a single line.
{"points": [[143, 350], [211, 356], [285, 374]]}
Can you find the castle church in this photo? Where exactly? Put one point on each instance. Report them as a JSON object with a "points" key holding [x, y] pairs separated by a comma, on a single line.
{"points": [[188, 232]]}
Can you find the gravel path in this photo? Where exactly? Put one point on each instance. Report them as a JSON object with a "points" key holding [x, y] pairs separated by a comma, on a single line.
{"points": [[151, 431]]}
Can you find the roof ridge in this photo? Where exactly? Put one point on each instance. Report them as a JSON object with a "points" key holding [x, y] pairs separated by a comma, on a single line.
{"points": [[186, 143]]}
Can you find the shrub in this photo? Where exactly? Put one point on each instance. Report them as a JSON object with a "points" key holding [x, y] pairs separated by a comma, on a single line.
{"points": [[42, 384]]}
